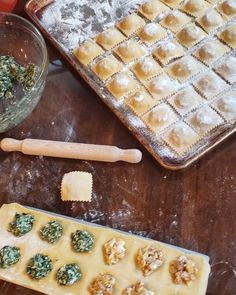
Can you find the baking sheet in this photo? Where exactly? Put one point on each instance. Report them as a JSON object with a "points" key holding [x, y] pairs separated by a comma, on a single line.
{"points": [[67, 23]]}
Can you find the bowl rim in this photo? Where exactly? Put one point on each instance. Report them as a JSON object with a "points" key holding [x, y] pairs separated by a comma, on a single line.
{"points": [[42, 44]]}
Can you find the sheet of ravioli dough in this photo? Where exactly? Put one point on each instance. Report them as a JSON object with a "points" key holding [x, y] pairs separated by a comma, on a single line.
{"points": [[91, 264]]}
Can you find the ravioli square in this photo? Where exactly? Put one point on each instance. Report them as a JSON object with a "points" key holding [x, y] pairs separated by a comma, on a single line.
{"points": [[152, 9], [130, 50], [175, 21], [130, 24], [226, 106], [168, 51], [229, 36], [227, 69], [190, 35], [110, 38], [195, 7], [227, 8], [87, 52], [204, 119], [210, 21], [147, 68], [151, 33], [160, 117]]}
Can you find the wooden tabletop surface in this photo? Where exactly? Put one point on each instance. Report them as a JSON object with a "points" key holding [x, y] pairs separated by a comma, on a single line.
{"points": [[194, 208]]}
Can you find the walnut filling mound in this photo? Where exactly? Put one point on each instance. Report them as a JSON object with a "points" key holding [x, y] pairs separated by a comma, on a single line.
{"points": [[114, 250], [183, 270], [149, 259], [137, 289], [102, 285]]}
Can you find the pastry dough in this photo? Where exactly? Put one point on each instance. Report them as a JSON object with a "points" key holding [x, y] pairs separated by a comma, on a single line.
{"points": [[147, 68], [161, 87], [77, 186], [228, 8], [168, 51], [31, 244], [226, 106], [229, 36], [140, 102], [210, 21], [110, 38], [152, 33], [160, 117], [130, 24], [184, 68], [107, 67], [204, 120], [123, 83], [227, 69], [175, 20], [211, 51], [195, 7], [210, 84], [181, 138], [152, 9], [186, 100], [190, 35], [87, 52], [130, 50]]}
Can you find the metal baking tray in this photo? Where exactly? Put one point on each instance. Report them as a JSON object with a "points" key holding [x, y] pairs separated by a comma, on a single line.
{"points": [[69, 23]]}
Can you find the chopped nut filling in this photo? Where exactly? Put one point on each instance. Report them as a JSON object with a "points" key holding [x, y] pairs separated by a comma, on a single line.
{"points": [[114, 250], [183, 270], [102, 285], [137, 289], [149, 259]]}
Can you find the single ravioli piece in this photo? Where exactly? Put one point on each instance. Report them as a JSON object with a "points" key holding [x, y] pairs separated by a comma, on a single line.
{"points": [[210, 21], [211, 51], [137, 289], [190, 35], [130, 24], [152, 9], [123, 83], [22, 224], [181, 138], [175, 20], [184, 68], [9, 255], [114, 251], [204, 120], [229, 36], [68, 274], [151, 33], [140, 102], [227, 8], [107, 67], [195, 7], [110, 38], [87, 52], [210, 84], [183, 270], [226, 106], [227, 69], [161, 86], [149, 259], [77, 186], [168, 51], [186, 100], [160, 117], [130, 50], [147, 68], [103, 284]]}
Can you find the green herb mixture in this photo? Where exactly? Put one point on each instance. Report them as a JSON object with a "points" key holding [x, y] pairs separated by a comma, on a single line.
{"points": [[51, 232], [9, 256], [22, 224], [11, 72], [68, 274], [39, 266], [82, 241]]}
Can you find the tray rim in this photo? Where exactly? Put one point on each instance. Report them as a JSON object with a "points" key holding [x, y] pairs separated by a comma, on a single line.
{"points": [[31, 8]]}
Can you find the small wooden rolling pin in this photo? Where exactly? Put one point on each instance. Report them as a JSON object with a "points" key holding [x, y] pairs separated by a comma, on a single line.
{"points": [[71, 150]]}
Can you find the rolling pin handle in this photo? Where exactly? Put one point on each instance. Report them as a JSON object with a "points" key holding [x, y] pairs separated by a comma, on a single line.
{"points": [[11, 145]]}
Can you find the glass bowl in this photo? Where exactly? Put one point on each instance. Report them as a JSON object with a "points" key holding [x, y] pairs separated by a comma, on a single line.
{"points": [[20, 39]]}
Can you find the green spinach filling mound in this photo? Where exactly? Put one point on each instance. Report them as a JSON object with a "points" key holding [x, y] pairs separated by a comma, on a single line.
{"points": [[39, 266], [82, 241], [51, 232], [22, 224], [9, 256], [68, 274]]}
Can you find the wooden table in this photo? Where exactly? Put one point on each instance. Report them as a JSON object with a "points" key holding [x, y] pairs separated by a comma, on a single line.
{"points": [[194, 209]]}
